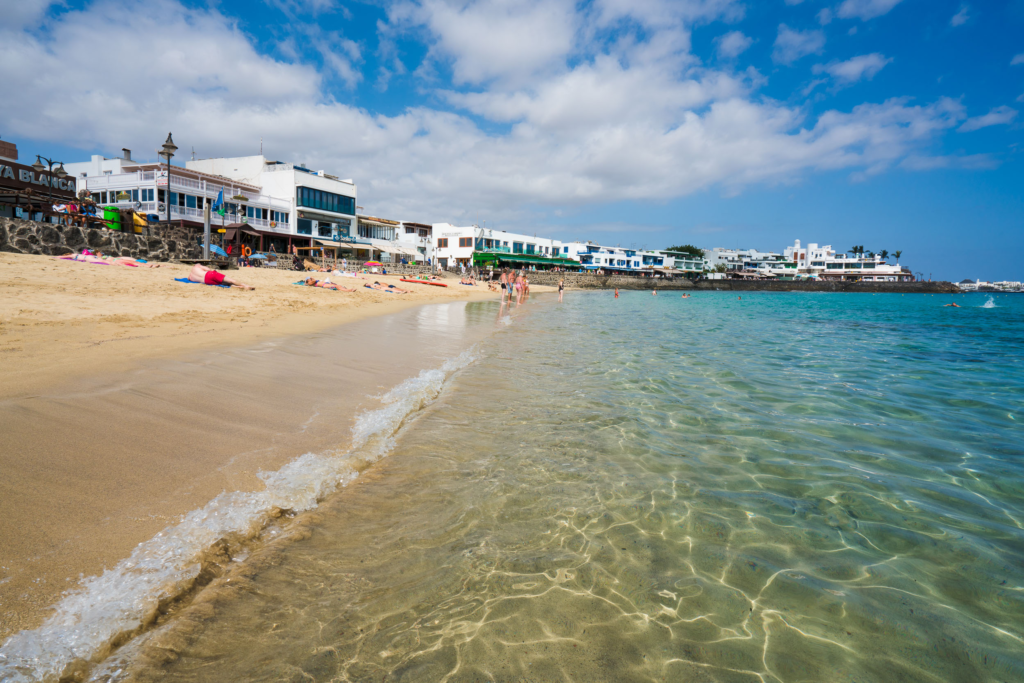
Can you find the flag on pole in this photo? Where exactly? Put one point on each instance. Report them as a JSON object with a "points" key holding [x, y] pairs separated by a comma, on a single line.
{"points": [[218, 205]]}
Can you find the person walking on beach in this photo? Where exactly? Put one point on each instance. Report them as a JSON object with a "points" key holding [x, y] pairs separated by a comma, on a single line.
{"points": [[561, 288]]}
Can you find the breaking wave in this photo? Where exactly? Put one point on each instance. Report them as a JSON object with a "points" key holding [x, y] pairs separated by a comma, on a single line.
{"points": [[108, 609]]}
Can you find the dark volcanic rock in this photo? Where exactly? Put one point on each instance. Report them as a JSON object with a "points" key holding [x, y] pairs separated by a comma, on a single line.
{"points": [[50, 235], [73, 237], [97, 239]]}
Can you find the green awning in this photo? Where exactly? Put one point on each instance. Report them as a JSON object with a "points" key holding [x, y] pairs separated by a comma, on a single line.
{"points": [[483, 258]]}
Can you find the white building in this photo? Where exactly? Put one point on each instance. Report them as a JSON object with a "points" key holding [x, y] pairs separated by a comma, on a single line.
{"points": [[593, 256], [824, 263], [125, 183], [739, 260], [472, 245], [322, 206]]}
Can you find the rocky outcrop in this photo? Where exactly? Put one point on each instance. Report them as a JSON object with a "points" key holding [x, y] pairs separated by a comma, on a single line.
{"points": [[47, 239]]}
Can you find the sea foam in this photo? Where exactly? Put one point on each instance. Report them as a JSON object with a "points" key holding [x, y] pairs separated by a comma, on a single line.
{"points": [[124, 599]]}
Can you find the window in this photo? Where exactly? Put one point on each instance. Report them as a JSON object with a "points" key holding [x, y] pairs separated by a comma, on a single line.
{"points": [[327, 201], [465, 241], [517, 247], [565, 250], [530, 248], [147, 195], [442, 243], [107, 172], [305, 226], [190, 201], [325, 229], [135, 195]]}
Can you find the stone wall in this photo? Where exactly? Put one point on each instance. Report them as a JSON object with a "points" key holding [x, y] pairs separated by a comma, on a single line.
{"points": [[591, 281], [29, 237]]}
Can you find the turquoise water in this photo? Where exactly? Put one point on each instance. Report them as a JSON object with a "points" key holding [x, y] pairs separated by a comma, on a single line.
{"points": [[788, 487]]}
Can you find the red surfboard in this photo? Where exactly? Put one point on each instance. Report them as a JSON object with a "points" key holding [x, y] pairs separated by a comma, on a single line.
{"points": [[424, 282]]}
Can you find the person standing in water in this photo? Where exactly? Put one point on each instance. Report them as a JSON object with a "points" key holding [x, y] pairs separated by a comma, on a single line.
{"points": [[616, 292], [561, 287]]}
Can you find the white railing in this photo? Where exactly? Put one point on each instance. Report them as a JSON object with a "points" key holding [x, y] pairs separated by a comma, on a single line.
{"points": [[187, 182]]}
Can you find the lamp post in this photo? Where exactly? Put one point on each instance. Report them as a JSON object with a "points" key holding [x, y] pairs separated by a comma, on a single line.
{"points": [[39, 167], [167, 152]]}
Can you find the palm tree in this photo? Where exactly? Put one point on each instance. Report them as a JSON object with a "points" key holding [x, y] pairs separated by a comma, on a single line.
{"points": [[897, 254], [884, 254]]}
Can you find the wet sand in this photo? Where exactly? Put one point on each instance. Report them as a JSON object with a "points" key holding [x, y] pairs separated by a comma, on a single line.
{"points": [[129, 399]]}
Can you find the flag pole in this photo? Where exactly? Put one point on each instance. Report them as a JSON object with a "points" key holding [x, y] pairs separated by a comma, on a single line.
{"points": [[206, 230]]}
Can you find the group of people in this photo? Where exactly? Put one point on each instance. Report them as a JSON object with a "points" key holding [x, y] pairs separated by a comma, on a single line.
{"points": [[97, 258], [515, 283]]}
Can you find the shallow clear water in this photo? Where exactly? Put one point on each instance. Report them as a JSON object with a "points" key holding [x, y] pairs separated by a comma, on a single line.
{"points": [[787, 487]]}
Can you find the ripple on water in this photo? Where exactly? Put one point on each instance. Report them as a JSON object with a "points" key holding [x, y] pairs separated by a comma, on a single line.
{"points": [[789, 488]]}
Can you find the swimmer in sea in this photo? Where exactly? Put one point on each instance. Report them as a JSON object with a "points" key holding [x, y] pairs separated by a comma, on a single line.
{"points": [[616, 292], [953, 305]]}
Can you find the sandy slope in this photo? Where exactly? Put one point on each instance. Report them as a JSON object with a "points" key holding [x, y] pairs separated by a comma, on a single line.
{"points": [[65, 318]]}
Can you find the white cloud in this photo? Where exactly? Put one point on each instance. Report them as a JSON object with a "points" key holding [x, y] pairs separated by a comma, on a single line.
{"points": [[791, 45], [865, 9], [666, 13], [1018, 59], [494, 39], [294, 7], [732, 44], [825, 16], [960, 17], [855, 69], [996, 117], [20, 13], [639, 123]]}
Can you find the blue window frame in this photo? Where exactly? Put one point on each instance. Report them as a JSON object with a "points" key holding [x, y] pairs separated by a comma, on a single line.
{"points": [[190, 201]]}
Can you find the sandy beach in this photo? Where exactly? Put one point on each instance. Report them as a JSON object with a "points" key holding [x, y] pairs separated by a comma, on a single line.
{"points": [[117, 422], [60, 319]]}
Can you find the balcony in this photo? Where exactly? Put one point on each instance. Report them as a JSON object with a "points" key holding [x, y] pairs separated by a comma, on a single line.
{"points": [[129, 181]]}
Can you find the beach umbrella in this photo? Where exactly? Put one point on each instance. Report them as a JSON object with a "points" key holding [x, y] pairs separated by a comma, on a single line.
{"points": [[217, 250], [373, 263], [257, 256]]}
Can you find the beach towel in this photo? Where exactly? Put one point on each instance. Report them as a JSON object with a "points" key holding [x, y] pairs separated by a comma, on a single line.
{"points": [[189, 282]]}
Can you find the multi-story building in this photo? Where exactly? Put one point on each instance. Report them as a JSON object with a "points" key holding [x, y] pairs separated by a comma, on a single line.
{"points": [[418, 237], [684, 263], [593, 256], [823, 262], [739, 260], [320, 206], [125, 183], [473, 245]]}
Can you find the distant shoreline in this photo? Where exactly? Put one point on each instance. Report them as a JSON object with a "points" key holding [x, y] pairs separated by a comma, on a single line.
{"points": [[588, 281]]}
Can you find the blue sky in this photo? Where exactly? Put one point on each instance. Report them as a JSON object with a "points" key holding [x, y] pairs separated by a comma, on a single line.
{"points": [[888, 123]]}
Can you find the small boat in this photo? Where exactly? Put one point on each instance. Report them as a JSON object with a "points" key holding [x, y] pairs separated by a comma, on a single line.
{"points": [[423, 282]]}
